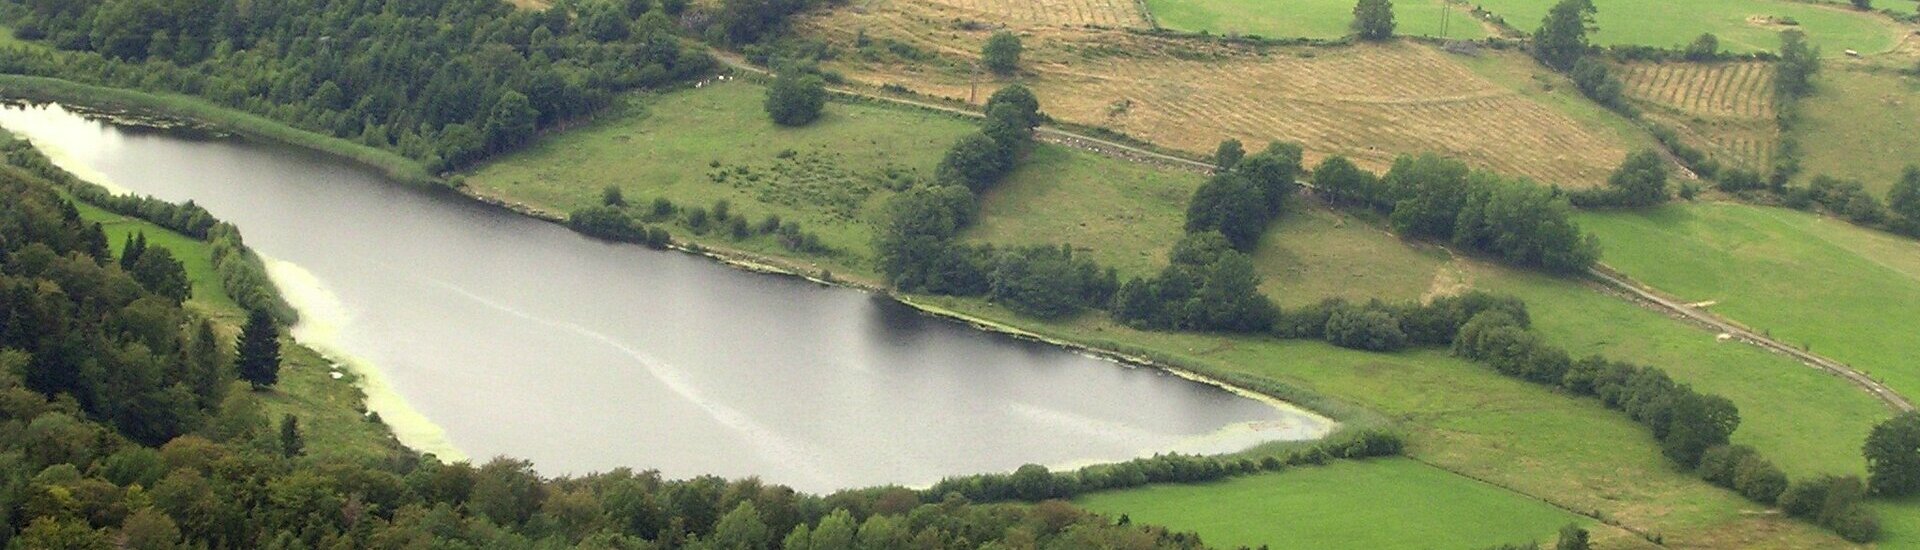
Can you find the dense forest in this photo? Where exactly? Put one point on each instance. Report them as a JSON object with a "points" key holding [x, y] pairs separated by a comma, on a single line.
{"points": [[445, 82]]}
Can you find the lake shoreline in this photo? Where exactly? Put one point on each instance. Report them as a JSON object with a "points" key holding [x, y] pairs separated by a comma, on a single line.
{"points": [[102, 101]]}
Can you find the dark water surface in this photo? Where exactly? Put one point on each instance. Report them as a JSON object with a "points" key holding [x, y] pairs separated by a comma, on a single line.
{"points": [[486, 333]]}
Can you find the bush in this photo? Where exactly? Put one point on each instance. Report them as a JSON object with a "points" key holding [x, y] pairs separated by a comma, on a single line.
{"points": [[795, 99], [1365, 329], [1759, 480], [1002, 53]]}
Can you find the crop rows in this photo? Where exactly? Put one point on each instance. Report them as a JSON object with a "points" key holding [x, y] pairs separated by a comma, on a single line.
{"points": [[1735, 90], [1109, 13], [1725, 109]]}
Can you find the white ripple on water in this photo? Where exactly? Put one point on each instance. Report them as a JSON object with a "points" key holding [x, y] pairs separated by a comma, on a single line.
{"points": [[769, 444]]}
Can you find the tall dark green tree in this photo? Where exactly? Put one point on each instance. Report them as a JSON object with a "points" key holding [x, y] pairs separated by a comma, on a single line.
{"points": [[1373, 19], [259, 361], [1893, 456], [130, 251], [161, 273], [1002, 53], [1562, 38], [1904, 200], [292, 442], [511, 122], [1799, 61], [796, 98]]}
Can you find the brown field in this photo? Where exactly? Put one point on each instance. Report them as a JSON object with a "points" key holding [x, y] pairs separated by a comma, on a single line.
{"points": [[1105, 13], [1371, 102], [1725, 109]]}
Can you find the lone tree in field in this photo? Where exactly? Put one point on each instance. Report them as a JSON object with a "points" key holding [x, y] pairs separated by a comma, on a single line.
{"points": [[1002, 54], [1373, 19], [1641, 179], [1893, 456], [1562, 39], [260, 351], [1704, 48], [292, 442], [795, 99], [1863, 4]]}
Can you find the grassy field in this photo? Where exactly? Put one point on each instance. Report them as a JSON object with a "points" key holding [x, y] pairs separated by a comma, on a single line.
{"points": [[1343, 505], [834, 182], [1062, 196], [7, 40], [1846, 292], [1308, 18], [1860, 125], [330, 410], [1741, 25], [673, 145]]}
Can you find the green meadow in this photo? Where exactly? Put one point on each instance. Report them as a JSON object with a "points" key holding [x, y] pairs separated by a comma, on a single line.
{"points": [[1839, 290], [1741, 25], [1860, 126], [1326, 19], [1343, 505]]}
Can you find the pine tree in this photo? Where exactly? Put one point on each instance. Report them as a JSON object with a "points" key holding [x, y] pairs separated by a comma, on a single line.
{"points": [[292, 443], [130, 252], [260, 351]]}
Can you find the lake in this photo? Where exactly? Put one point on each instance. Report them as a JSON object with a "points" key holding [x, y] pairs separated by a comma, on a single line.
{"points": [[480, 332]]}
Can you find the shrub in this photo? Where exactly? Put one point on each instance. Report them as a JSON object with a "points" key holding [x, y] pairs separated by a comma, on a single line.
{"points": [[795, 99], [1002, 53], [1365, 329]]}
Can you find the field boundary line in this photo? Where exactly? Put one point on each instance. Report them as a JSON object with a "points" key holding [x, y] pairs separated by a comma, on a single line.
{"points": [[1653, 297]]}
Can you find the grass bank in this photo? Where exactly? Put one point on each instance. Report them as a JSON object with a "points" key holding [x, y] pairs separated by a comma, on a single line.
{"points": [[199, 110], [1345, 504]]}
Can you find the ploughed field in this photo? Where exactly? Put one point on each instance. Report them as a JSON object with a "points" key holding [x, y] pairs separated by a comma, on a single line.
{"points": [[1725, 109], [1368, 102]]}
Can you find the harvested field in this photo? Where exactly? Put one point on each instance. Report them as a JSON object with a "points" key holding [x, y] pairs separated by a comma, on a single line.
{"points": [[1104, 13], [1724, 109], [1369, 102]]}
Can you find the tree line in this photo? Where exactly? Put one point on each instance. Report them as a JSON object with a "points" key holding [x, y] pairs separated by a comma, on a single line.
{"points": [[1433, 197], [445, 82]]}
